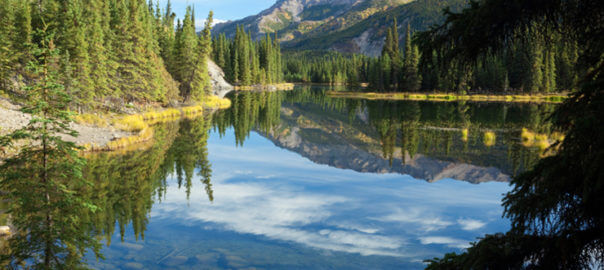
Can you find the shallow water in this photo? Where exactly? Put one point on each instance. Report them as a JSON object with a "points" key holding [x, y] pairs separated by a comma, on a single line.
{"points": [[297, 180]]}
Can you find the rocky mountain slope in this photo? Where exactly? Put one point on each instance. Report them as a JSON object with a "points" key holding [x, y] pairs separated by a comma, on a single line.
{"points": [[337, 142], [357, 26]]}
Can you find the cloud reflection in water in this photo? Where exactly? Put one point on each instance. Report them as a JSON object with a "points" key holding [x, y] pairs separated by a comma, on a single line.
{"points": [[281, 196]]}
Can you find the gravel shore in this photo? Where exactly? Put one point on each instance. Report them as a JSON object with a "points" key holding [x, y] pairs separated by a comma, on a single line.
{"points": [[11, 119]]}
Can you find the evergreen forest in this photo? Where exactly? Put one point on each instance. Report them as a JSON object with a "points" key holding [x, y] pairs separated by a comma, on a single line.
{"points": [[248, 62], [108, 50], [537, 60]]}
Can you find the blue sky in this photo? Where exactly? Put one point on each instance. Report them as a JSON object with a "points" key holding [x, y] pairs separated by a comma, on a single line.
{"points": [[223, 9]]}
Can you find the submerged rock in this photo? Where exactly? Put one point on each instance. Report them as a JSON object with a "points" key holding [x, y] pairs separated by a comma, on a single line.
{"points": [[176, 260], [133, 265], [4, 230]]}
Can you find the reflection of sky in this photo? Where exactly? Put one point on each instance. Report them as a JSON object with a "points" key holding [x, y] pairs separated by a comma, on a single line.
{"points": [[280, 197]]}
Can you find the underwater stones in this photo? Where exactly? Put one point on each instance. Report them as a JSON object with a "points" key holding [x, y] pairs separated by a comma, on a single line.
{"points": [[4, 230], [131, 246], [133, 265], [235, 261], [208, 258], [176, 260]]}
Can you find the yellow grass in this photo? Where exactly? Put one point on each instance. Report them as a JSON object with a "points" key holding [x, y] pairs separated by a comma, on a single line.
{"points": [[156, 115], [141, 123], [527, 137], [555, 98], [91, 120], [143, 136], [277, 86], [541, 141], [464, 134], [489, 138], [214, 102], [557, 136], [131, 123]]}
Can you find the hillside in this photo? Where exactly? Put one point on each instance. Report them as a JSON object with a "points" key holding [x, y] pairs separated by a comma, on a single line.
{"points": [[355, 26]]}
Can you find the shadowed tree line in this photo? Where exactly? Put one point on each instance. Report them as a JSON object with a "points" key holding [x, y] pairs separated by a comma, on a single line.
{"points": [[555, 209], [537, 59]]}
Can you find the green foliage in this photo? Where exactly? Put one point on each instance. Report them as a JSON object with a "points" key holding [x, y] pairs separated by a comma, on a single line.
{"points": [[44, 181], [325, 67], [250, 111], [246, 62], [108, 49], [200, 85]]}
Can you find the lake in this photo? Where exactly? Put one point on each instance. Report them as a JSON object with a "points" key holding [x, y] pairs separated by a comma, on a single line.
{"points": [[299, 180]]}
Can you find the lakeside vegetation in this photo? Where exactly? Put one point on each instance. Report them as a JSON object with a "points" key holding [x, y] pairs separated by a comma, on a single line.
{"points": [[538, 98], [141, 124]]}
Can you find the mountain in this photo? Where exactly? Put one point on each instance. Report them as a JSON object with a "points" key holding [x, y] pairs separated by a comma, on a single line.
{"points": [[332, 139], [353, 26]]}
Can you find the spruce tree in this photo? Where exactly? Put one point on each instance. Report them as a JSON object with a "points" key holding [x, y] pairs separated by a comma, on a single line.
{"points": [[200, 85], [44, 181], [186, 55], [411, 80], [98, 54], [73, 40]]}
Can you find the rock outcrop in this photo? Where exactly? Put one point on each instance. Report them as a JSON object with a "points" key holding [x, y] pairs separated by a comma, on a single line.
{"points": [[220, 87], [4, 230]]}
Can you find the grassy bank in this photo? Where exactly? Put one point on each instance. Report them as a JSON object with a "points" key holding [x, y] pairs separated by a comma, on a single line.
{"points": [[141, 124], [553, 98], [272, 87]]}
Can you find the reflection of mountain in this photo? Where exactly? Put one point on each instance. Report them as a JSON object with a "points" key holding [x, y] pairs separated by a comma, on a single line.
{"points": [[329, 145], [474, 142]]}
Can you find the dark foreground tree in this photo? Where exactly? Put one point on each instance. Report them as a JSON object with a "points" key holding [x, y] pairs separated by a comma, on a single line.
{"points": [[44, 181], [556, 208]]}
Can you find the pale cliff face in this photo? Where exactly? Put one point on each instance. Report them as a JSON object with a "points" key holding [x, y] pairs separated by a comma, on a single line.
{"points": [[287, 14]]}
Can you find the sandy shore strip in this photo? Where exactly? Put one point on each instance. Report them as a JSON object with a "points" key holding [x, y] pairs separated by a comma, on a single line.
{"points": [[12, 119]]}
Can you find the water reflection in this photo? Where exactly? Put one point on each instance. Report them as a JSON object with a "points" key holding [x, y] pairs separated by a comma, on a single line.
{"points": [[273, 208], [475, 142], [215, 192], [126, 185]]}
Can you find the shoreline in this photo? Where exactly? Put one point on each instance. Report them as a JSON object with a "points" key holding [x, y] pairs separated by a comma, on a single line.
{"points": [[109, 132], [266, 87], [450, 97]]}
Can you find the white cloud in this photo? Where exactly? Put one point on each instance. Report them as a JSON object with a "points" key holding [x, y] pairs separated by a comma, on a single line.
{"points": [[278, 213], [443, 240], [417, 216], [356, 227], [200, 23], [470, 224]]}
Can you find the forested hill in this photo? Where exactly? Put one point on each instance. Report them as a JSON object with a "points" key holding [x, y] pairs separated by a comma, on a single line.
{"points": [[105, 51], [356, 26]]}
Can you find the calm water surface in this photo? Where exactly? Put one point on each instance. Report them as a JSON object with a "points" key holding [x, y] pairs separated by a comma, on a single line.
{"points": [[297, 180]]}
